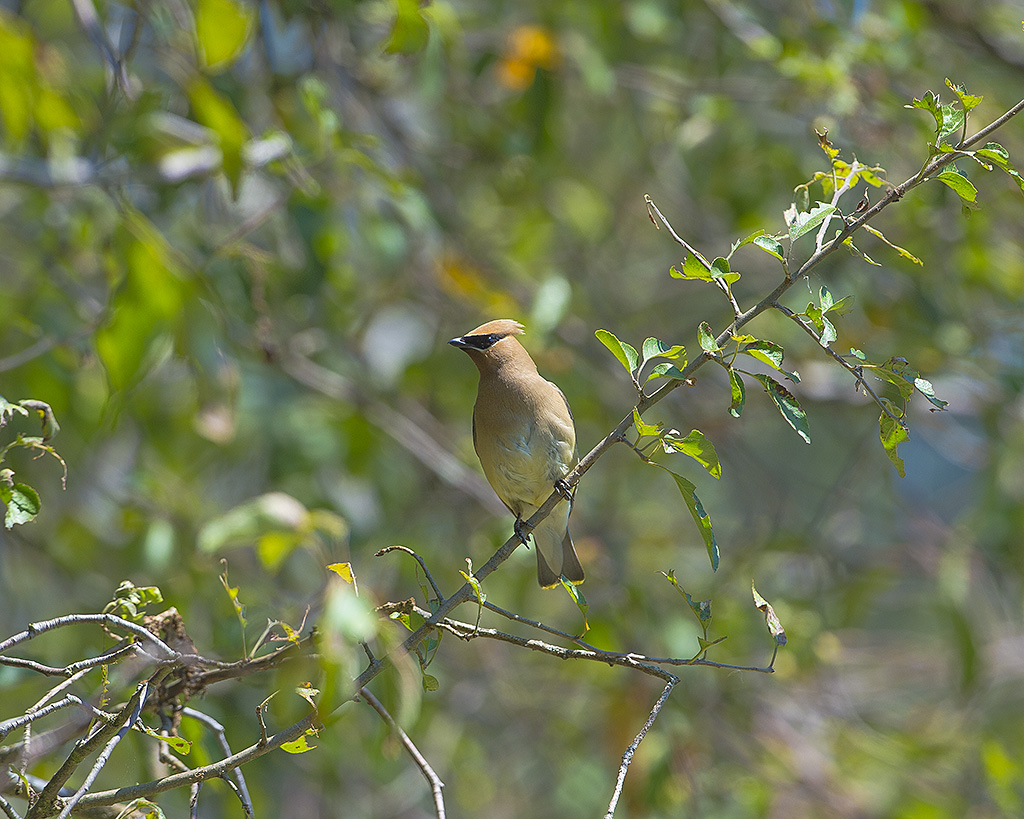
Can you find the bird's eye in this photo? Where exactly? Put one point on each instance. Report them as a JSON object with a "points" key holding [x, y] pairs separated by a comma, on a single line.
{"points": [[483, 341]]}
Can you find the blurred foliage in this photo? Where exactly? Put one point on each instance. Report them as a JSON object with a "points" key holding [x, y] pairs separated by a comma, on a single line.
{"points": [[234, 238]]}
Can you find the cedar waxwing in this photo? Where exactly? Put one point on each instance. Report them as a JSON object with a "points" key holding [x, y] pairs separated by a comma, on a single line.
{"points": [[524, 436]]}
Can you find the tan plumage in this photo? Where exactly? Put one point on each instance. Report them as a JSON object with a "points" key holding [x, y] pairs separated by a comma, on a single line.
{"points": [[524, 435]]}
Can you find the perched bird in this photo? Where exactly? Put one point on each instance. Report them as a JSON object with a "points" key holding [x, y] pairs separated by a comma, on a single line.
{"points": [[524, 435]]}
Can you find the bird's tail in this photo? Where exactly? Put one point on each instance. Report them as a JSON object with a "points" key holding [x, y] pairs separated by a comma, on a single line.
{"points": [[556, 555]]}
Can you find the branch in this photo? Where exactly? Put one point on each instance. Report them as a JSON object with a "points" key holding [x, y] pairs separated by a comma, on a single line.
{"points": [[217, 769], [241, 790], [45, 804], [432, 778], [627, 757]]}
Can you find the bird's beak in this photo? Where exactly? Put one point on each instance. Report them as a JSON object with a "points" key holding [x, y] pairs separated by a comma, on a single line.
{"points": [[458, 342]]}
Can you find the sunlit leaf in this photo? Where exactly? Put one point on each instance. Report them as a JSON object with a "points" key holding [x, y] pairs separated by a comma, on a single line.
{"points": [[300, 745], [805, 221], [770, 245], [707, 338], [968, 101], [692, 268], [959, 183], [625, 353], [892, 434], [222, 28], [410, 31], [698, 447], [576, 593], [757, 234], [345, 572], [643, 428]]}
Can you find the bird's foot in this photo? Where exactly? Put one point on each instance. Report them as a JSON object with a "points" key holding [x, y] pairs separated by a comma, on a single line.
{"points": [[563, 489], [523, 536]]}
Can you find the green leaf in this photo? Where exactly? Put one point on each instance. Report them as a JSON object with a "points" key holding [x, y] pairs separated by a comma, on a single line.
{"points": [[576, 593], [22, 503], [700, 517], [653, 348], [698, 447], [968, 101], [148, 304], [805, 221], [667, 370], [625, 353], [900, 374], [707, 338], [960, 184], [300, 745], [787, 405], [218, 114], [744, 241], [843, 306], [856, 251], [998, 155], [7, 410], [906, 254], [770, 618], [643, 429], [994, 152], [892, 434], [720, 270], [693, 268], [430, 682], [222, 28], [739, 393], [825, 299], [770, 245], [410, 31], [952, 122], [766, 351], [701, 609]]}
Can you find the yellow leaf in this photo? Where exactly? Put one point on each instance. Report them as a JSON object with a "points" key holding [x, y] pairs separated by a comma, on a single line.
{"points": [[222, 28]]}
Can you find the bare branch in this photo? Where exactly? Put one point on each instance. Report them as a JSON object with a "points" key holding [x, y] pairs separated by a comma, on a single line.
{"points": [[241, 791], [421, 762], [627, 757]]}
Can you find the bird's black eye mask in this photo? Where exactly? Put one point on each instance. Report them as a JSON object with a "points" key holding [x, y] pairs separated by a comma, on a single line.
{"points": [[482, 342]]}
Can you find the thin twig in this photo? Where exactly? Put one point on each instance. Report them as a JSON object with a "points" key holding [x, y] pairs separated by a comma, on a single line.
{"points": [[8, 808], [418, 559], [421, 762], [33, 714], [652, 207], [167, 783], [856, 371], [518, 618], [110, 620], [139, 700], [241, 791], [627, 757]]}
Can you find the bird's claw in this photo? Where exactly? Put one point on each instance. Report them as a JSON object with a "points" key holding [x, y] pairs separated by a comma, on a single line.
{"points": [[523, 537], [563, 489]]}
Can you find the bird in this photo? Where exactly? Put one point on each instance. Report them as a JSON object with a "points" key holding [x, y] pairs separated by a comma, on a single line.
{"points": [[525, 437]]}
